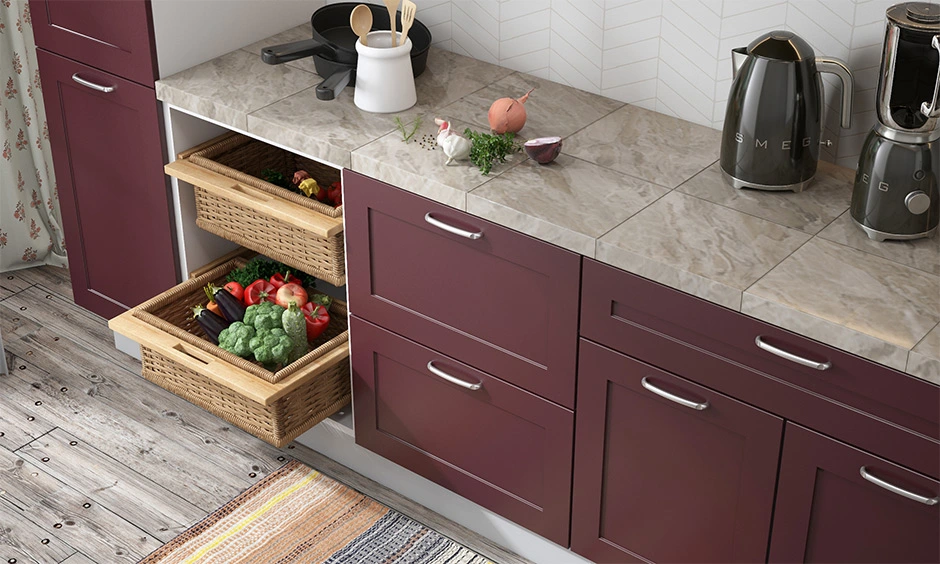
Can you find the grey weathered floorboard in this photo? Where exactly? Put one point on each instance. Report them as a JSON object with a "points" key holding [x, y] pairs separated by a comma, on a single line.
{"points": [[19, 425], [78, 558], [13, 282], [136, 498], [22, 540], [58, 509], [51, 277]]}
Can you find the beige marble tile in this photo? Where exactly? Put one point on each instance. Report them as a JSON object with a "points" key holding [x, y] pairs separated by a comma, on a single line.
{"points": [[860, 292], [552, 108], [449, 77], [299, 33], [326, 129], [418, 165], [809, 211], [230, 87], [922, 254], [924, 360], [824, 331], [698, 247], [568, 202], [648, 145]]}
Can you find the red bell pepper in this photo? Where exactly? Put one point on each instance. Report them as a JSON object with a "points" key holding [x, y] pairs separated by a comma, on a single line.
{"points": [[317, 318], [279, 279]]}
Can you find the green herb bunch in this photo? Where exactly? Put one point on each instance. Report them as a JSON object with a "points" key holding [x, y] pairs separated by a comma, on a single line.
{"points": [[263, 267], [487, 149]]}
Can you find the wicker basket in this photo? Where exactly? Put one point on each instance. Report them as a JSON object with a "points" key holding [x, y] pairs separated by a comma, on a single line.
{"points": [[226, 213], [274, 406]]}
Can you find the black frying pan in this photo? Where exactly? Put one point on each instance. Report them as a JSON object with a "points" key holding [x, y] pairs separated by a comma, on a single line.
{"points": [[333, 46]]}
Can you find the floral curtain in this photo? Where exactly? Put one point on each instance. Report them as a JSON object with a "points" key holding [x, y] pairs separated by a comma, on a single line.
{"points": [[30, 219]]}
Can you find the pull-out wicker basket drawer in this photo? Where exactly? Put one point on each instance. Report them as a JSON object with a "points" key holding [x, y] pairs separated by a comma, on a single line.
{"points": [[235, 204], [274, 406]]}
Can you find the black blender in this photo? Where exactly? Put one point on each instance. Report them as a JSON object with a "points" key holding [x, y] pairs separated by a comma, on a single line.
{"points": [[896, 186]]}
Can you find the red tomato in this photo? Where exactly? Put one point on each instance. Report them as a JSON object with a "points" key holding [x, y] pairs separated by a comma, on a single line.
{"points": [[317, 318], [236, 290], [259, 291], [278, 280], [291, 292]]}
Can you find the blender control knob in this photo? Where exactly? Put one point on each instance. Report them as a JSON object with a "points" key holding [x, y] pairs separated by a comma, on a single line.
{"points": [[917, 201]]}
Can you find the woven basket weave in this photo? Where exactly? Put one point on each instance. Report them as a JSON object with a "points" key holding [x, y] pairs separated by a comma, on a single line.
{"points": [[243, 159], [323, 391]]}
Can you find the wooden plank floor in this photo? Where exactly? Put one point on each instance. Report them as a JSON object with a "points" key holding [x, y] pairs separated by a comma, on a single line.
{"points": [[97, 465]]}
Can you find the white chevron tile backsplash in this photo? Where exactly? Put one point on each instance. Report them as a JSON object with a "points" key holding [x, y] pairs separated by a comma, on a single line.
{"points": [[671, 56]]}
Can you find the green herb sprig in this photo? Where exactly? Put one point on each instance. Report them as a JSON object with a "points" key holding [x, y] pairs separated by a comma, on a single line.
{"points": [[486, 149], [263, 267], [405, 133]]}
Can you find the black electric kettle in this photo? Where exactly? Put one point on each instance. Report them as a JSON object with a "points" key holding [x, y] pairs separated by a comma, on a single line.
{"points": [[773, 123]]}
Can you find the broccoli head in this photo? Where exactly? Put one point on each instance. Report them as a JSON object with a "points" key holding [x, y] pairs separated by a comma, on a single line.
{"points": [[266, 315], [236, 338], [271, 346]]}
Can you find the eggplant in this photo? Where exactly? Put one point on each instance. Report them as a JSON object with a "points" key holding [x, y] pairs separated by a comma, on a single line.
{"points": [[211, 323], [232, 308]]}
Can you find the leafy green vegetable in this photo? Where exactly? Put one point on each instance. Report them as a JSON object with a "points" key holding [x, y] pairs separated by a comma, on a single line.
{"points": [[486, 148], [271, 346], [405, 133], [262, 267], [266, 315], [236, 339], [276, 177]]}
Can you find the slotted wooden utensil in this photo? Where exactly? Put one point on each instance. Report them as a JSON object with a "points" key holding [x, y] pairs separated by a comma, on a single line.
{"points": [[392, 6], [360, 20], [408, 9]]}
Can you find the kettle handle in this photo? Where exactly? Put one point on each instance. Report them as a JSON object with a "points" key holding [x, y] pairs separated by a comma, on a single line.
{"points": [[840, 69], [932, 109]]}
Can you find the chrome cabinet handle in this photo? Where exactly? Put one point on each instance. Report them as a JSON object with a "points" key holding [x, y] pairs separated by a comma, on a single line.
{"points": [[92, 85], [792, 357], [672, 397], [894, 489], [451, 229], [931, 108], [452, 379]]}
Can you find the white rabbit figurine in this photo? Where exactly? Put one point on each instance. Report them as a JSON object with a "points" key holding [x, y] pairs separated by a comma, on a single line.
{"points": [[454, 146]]}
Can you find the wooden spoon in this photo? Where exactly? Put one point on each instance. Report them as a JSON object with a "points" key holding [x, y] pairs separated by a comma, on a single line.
{"points": [[408, 9], [392, 6], [360, 20]]}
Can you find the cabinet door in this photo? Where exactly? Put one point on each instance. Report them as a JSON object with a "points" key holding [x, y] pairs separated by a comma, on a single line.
{"points": [[498, 300], [108, 157], [497, 445], [116, 37], [827, 511], [666, 470]]}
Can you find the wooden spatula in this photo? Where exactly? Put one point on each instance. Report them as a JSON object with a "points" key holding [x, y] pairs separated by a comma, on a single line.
{"points": [[408, 9], [392, 6]]}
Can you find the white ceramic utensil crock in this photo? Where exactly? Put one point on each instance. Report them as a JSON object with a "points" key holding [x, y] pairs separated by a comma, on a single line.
{"points": [[385, 81]]}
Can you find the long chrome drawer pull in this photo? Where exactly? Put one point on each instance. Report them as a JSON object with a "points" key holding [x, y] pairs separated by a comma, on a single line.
{"points": [[451, 229], [792, 357], [92, 85], [463, 384], [672, 397], [894, 489]]}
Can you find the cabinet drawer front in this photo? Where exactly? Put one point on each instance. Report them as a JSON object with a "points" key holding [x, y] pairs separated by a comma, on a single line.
{"points": [[504, 303], [113, 36], [828, 512], [645, 464], [108, 158], [499, 446], [622, 310]]}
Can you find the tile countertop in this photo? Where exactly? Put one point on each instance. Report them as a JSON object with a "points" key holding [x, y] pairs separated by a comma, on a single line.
{"points": [[639, 190]]}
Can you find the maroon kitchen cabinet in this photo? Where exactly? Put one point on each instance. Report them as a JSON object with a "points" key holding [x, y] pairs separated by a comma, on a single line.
{"points": [[115, 37], [487, 440], [667, 470], [500, 301], [108, 158], [836, 503]]}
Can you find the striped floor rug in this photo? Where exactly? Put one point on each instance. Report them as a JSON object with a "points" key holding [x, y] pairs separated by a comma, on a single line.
{"points": [[298, 515]]}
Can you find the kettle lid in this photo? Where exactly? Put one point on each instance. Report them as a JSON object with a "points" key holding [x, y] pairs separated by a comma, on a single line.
{"points": [[782, 46], [922, 16]]}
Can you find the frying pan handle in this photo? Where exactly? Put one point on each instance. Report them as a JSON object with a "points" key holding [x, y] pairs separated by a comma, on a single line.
{"points": [[334, 84], [277, 54]]}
